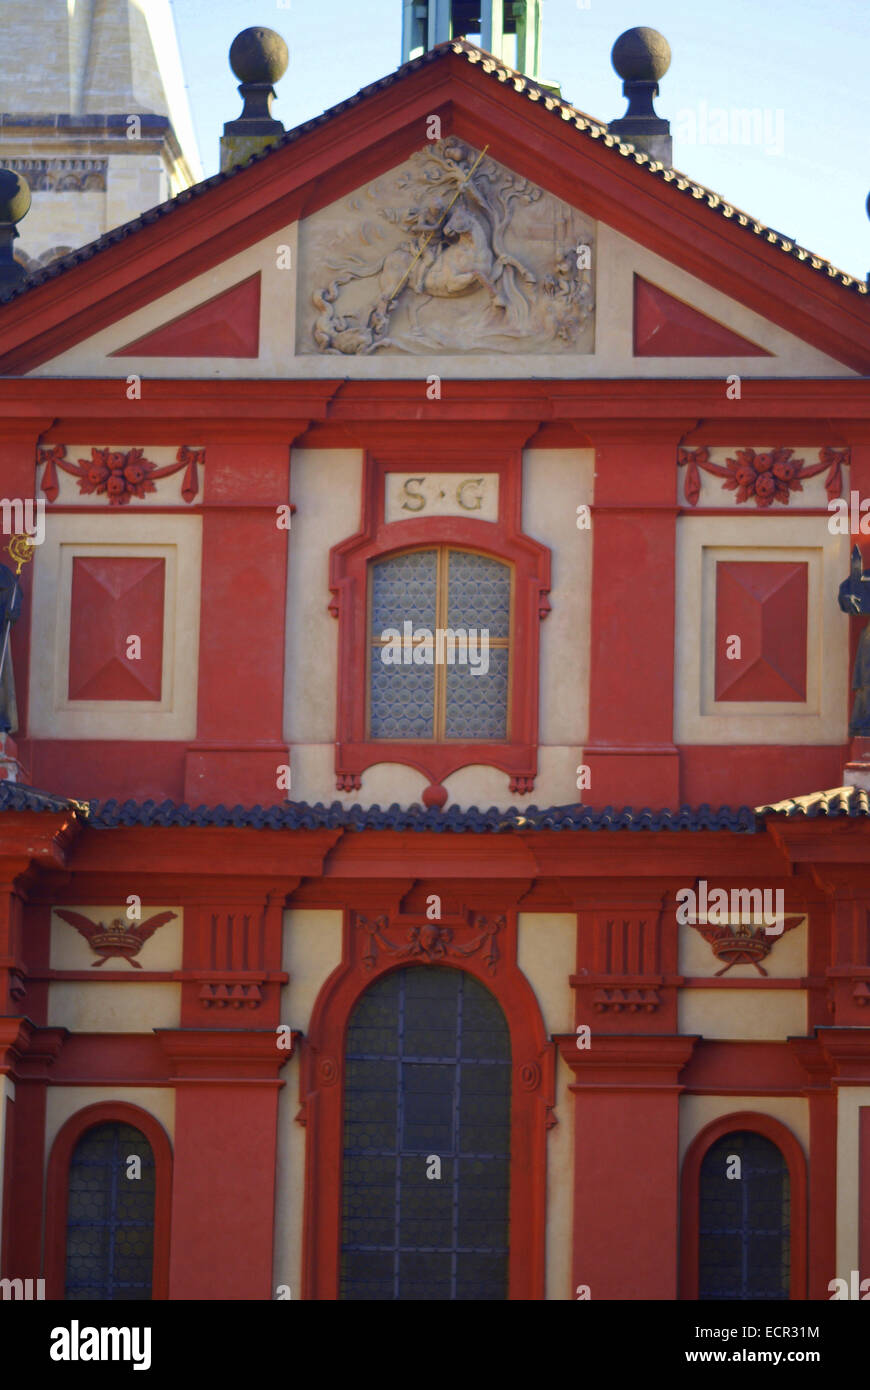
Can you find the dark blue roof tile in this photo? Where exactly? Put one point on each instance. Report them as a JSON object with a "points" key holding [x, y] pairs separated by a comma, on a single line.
{"points": [[295, 815]]}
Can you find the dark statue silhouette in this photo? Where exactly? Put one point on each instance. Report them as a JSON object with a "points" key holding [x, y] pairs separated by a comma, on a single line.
{"points": [[854, 598], [10, 607]]}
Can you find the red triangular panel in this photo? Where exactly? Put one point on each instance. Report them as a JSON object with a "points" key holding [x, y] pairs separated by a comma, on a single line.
{"points": [[666, 327], [226, 326]]}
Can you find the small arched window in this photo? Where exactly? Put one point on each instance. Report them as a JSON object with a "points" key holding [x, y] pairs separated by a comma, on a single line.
{"points": [[744, 1247], [110, 1215], [427, 1118], [439, 639]]}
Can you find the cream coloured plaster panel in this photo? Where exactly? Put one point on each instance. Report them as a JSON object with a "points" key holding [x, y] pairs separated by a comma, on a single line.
{"points": [[108, 1007], [326, 488], [696, 1112], [178, 540], [743, 1014], [547, 954], [313, 780], [555, 483], [62, 1102], [482, 786], [619, 259], [162, 951], [312, 950], [277, 311], [698, 717], [787, 959], [850, 1100]]}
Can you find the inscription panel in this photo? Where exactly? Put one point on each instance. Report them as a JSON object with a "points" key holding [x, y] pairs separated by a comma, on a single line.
{"points": [[472, 495]]}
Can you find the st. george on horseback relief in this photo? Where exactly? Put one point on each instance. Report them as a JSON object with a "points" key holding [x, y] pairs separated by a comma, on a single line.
{"points": [[450, 252]]}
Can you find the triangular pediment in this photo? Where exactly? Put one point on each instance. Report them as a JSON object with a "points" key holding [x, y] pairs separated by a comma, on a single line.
{"points": [[515, 238]]}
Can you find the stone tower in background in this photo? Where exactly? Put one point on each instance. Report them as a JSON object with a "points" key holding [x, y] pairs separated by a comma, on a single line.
{"points": [[94, 113]]}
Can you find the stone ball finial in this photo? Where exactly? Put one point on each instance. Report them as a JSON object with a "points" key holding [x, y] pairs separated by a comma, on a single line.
{"points": [[259, 56], [641, 55], [14, 196]]}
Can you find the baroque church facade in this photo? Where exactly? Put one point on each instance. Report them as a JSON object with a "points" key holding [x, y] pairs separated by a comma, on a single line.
{"points": [[434, 812]]}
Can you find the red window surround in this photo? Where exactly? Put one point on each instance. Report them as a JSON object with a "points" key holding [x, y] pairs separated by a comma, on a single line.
{"points": [[484, 945], [348, 579], [793, 1154], [57, 1190]]}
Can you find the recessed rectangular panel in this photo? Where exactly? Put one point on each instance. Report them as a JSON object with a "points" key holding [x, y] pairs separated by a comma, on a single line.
{"points": [[761, 630], [116, 627]]}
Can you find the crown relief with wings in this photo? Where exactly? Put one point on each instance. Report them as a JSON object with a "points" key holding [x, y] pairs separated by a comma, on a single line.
{"points": [[739, 943], [119, 938]]}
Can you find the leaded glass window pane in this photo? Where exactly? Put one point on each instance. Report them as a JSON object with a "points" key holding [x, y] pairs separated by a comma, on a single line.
{"points": [[402, 699], [439, 639], [428, 1073], [477, 700], [745, 1221], [404, 589], [479, 593], [110, 1216]]}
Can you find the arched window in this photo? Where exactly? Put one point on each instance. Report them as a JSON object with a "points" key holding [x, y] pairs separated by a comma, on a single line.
{"points": [[439, 635], [110, 1215], [107, 1216], [426, 1169], [745, 1220]]}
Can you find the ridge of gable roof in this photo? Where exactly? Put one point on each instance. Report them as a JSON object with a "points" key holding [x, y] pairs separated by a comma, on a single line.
{"points": [[495, 70]]}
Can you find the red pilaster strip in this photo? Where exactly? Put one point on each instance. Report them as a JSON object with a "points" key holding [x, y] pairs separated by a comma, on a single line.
{"points": [[226, 1114], [26, 1054], [630, 751], [626, 1183], [241, 644], [864, 1192]]}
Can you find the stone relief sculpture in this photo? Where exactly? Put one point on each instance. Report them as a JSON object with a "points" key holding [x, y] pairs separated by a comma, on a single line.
{"points": [[452, 252]]}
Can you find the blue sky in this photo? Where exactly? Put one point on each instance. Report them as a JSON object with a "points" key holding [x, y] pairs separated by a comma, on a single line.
{"points": [[800, 64]]}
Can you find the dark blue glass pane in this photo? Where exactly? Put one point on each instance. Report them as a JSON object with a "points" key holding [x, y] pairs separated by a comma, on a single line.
{"points": [[428, 1107], [745, 1220], [426, 1141], [110, 1216]]}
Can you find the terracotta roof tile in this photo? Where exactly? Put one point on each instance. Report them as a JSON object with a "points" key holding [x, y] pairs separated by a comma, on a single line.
{"points": [[853, 802]]}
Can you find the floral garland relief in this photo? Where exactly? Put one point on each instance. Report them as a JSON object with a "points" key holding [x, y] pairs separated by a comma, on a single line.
{"points": [[120, 475], [765, 477]]}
